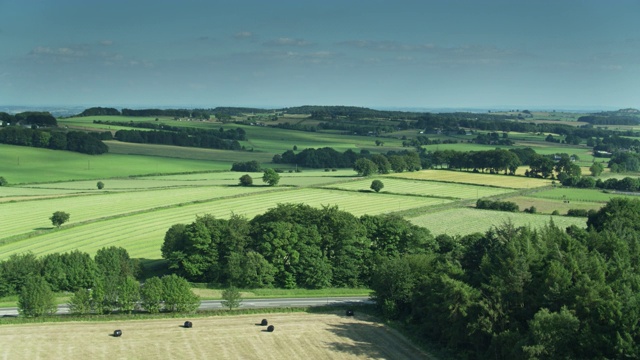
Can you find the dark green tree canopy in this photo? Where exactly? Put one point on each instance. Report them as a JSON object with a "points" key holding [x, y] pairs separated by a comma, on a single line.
{"points": [[377, 185], [59, 217]]}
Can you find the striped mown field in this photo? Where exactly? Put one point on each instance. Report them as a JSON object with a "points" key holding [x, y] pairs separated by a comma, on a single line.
{"points": [[399, 185], [142, 232], [466, 221], [463, 177]]}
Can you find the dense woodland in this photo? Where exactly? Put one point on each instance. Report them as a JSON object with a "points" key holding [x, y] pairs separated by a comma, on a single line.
{"points": [[292, 245], [516, 293]]}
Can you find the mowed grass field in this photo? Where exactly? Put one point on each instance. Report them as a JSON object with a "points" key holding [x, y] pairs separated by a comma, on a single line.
{"points": [[464, 177], [424, 188], [296, 336], [139, 220], [464, 221]]}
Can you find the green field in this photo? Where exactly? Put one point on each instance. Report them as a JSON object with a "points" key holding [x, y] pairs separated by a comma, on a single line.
{"points": [[21, 165], [466, 221], [424, 188], [464, 177], [148, 187], [139, 223]]}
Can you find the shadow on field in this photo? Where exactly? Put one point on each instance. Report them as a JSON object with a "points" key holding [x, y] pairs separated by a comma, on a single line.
{"points": [[368, 340]]}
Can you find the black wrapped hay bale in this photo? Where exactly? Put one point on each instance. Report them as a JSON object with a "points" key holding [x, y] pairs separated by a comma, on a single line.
{"points": [[349, 312], [264, 322], [117, 333], [188, 324], [270, 328]]}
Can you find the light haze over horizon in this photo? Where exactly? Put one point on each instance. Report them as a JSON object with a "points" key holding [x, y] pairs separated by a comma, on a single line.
{"points": [[555, 54]]}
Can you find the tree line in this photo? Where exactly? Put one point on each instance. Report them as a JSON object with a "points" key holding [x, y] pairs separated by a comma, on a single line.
{"points": [[290, 246], [29, 118], [519, 293], [103, 284], [78, 141]]}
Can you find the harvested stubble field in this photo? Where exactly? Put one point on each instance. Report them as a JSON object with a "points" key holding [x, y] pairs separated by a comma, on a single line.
{"points": [[463, 177], [296, 336]]}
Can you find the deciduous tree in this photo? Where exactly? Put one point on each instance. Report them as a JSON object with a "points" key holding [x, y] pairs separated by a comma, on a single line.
{"points": [[36, 298], [59, 217], [271, 177]]}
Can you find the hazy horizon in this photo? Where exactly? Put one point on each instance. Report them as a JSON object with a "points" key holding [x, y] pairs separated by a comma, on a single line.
{"points": [[437, 54]]}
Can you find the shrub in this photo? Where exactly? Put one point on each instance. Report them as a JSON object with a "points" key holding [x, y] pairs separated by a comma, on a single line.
{"points": [[577, 212], [246, 180], [3, 181], [100, 185]]}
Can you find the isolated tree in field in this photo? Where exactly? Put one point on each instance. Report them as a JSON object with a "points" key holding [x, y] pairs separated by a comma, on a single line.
{"points": [[596, 169], [365, 167], [36, 298], [100, 185], [377, 185], [231, 298], [3, 181], [59, 217], [271, 177], [246, 180]]}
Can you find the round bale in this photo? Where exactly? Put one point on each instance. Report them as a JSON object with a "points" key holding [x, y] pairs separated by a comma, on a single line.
{"points": [[270, 328], [188, 324], [349, 312], [117, 333], [264, 322]]}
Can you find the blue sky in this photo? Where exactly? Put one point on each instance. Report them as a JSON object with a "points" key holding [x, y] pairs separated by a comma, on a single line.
{"points": [[564, 54]]}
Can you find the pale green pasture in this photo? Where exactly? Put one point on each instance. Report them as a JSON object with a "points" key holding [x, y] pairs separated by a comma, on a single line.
{"points": [[425, 188], [142, 234], [305, 178], [276, 141], [144, 183], [7, 192], [22, 165], [571, 194], [184, 152], [27, 216], [465, 221], [465, 177]]}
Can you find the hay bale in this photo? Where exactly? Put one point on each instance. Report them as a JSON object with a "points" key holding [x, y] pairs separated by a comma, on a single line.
{"points": [[349, 312], [188, 324], [117, 333], [270, 328], [264, 322]]}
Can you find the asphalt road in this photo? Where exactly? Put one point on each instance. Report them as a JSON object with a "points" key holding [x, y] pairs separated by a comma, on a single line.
{"points": [[246, 304]]}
